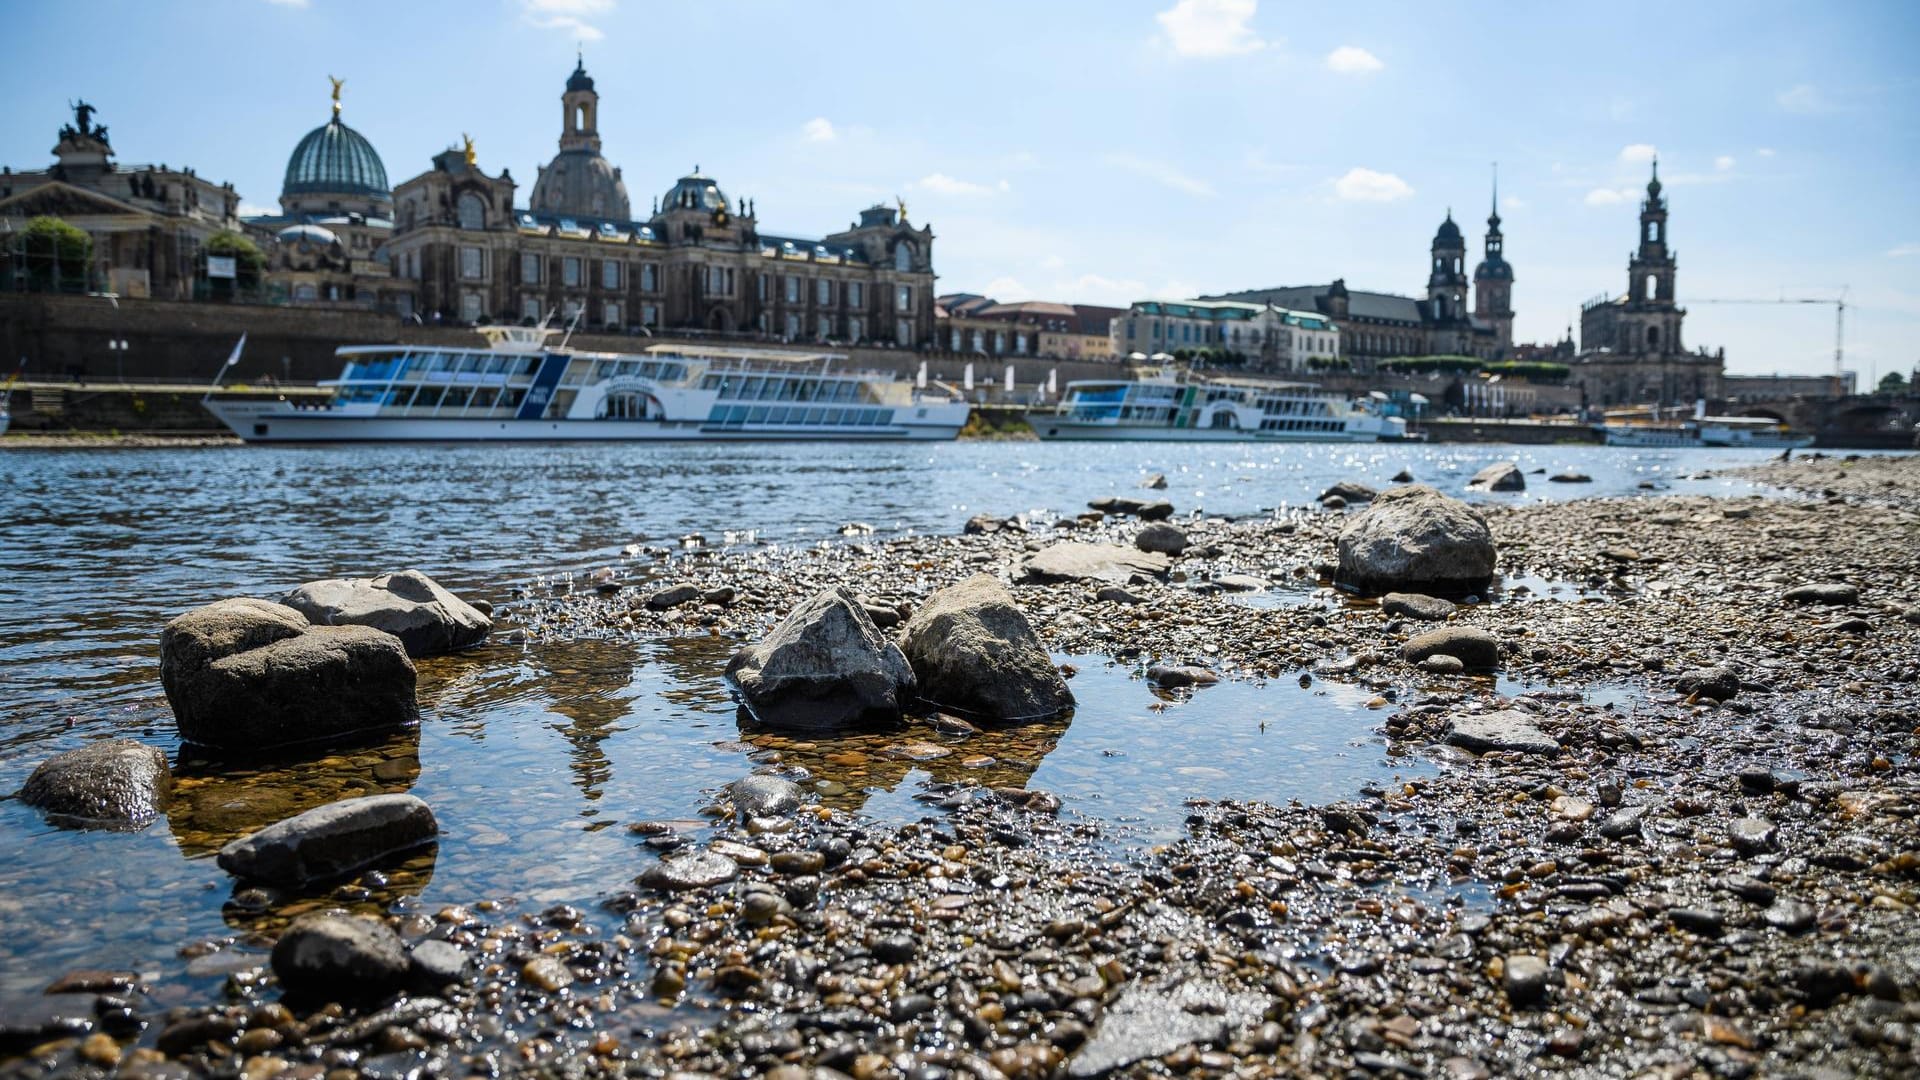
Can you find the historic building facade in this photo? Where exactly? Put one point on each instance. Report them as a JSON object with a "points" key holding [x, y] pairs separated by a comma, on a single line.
{"points": [[1377, 326], [698, 264], [1631, 346], [326, 247], [148, 222], [970, 323], [1267, 337]]}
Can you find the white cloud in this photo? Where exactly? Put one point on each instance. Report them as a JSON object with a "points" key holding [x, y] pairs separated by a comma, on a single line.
{"points": [[1608, 196], [1638, 153], [818, 129], [1366, 185], [1765, 151], [1007, 290], [568, 15], [1903, 251], [248, 209], [288, 3], [1723, 162], [942, 184], [1206, 28], [1353, 60], [1803, 98], [1161, 173]]}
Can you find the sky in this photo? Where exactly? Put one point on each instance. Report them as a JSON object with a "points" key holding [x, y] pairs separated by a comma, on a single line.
{"points": [[1105, 151]]}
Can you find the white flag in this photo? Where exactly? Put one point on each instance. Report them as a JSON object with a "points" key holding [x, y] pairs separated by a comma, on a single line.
{"points": [[235, 358]]}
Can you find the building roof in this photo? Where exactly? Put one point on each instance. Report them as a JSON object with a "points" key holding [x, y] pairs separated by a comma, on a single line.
{"points": [[694, 190], [579, 80], [334, 159], [1386, 307], [580, 182]]}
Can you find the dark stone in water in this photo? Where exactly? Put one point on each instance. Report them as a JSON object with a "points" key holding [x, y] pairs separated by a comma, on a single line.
{"points": [[246, 674], [1417, 606], [118, 783], [761, 795], [690, 870], [331, 841], [1499, 476], [1161, 537], [1719, 682], [340, 957], [439, 963], [1472, 646], [825, 666], [973, 652], [1179, 677]]}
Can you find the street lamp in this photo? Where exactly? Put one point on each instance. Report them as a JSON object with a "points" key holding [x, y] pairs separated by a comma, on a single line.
{"points": [[118, 347]]}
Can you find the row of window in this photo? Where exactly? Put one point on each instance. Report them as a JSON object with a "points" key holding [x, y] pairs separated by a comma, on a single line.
{"points": [[1186, 333], [779, 414], [443, 398], [1302, 425], [717, 280], [777, 388]]}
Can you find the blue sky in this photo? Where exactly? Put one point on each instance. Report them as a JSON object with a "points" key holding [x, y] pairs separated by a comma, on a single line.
{"points": [[1103, 151]]}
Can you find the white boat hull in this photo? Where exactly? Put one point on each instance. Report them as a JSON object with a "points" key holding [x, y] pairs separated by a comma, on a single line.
{"points": [[1053, 429], [277, 422]]}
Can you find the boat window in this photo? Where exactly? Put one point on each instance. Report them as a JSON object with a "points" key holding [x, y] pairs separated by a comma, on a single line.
{"points": [[510, 398], [472, 364], [711, 382], [814, 415], [483, 398], [737, 414], [456, 398], [604, 369], [673, 372], [562, 402], [427, 397], [757, 415], [832, 416]]}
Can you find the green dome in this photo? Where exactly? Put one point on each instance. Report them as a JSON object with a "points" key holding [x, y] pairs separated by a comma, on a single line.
{"points": [[336, 160]]}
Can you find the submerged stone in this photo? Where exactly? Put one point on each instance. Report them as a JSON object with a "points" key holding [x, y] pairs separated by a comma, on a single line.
{"points": [[340, 957], [118, 783], [824, 666], [974, 652], [331, 841], [1508, 729]]}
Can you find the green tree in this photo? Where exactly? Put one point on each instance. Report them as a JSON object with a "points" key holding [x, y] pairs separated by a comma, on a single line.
{"points": [[1892, 382], [248, 261], [56, 254]]}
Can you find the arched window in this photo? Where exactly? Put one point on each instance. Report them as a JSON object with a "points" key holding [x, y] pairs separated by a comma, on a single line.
{"points": [[580, 118], [903, 256], [1650, 287], [1653, 337], [473, 211], [1653, 231]]}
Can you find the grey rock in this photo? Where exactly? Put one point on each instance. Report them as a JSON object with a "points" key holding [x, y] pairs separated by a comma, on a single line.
{"points": [[1442, 664], [1912, 614], [1570, 478], [1114, 594], [1474, 647], [1180, 676], [1351, 491], [1072, 560], [27, 1022], [672, 596], [1499, 476], [1333, 502], [1144, 509], [883, 616], [1161, 537], [1156, 482], [1705, 922], [825, 666], [1402, 477], [983, 524], [1751, 836], [690, 870], [974, 652], [340, 957], [1789, 916], [411, 606], [1623, 823], [1144, 1022], [439, 963], [1416, 539], [1525, 979], [761, 795], [1830, 593], [118, 783], [246, 674], [331, 841], [1508, 729], [1417, 606], [1719, 682]]}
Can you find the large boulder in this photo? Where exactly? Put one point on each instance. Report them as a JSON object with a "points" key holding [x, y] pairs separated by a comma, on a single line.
{"points": [[118, 783], [974, 652], [1071, 560], [1349, 491], [248, 674], [1414, 539], [1144, 509], [1499, 476], [411, 606], [340, 957], [825, 666], [331, 841]]}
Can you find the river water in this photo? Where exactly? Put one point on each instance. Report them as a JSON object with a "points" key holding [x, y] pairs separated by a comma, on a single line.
{"points": [[99, 548]]}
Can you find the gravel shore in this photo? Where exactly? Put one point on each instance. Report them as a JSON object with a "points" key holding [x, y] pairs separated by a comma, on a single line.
{"points": [[1675, 838]]}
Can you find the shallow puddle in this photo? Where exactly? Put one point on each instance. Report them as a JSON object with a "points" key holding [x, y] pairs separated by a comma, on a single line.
{"points": [[537, 762]]}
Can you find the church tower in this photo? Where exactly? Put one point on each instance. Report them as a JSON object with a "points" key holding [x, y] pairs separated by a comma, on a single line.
{"points": [[1650, 319], [1493, 281], [1447, 283], [579, 129]]}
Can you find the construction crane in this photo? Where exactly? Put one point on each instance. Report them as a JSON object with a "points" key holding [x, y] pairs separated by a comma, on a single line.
{"points": [[1839, 319]]}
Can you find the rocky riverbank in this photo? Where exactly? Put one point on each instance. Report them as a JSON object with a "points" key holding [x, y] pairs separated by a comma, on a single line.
{"points": [[1674, 836]]}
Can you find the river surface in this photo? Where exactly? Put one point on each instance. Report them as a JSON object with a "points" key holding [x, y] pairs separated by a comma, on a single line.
{"points": [[98, 549]]}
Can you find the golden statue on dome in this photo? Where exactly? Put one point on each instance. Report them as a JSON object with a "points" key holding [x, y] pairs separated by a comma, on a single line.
{"points": [[337, 84], [472, 157]]}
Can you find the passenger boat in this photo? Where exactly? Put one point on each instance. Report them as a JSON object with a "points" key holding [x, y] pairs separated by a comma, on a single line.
{"points": [[521, 388], [1701, 430], [1195, 407]]}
